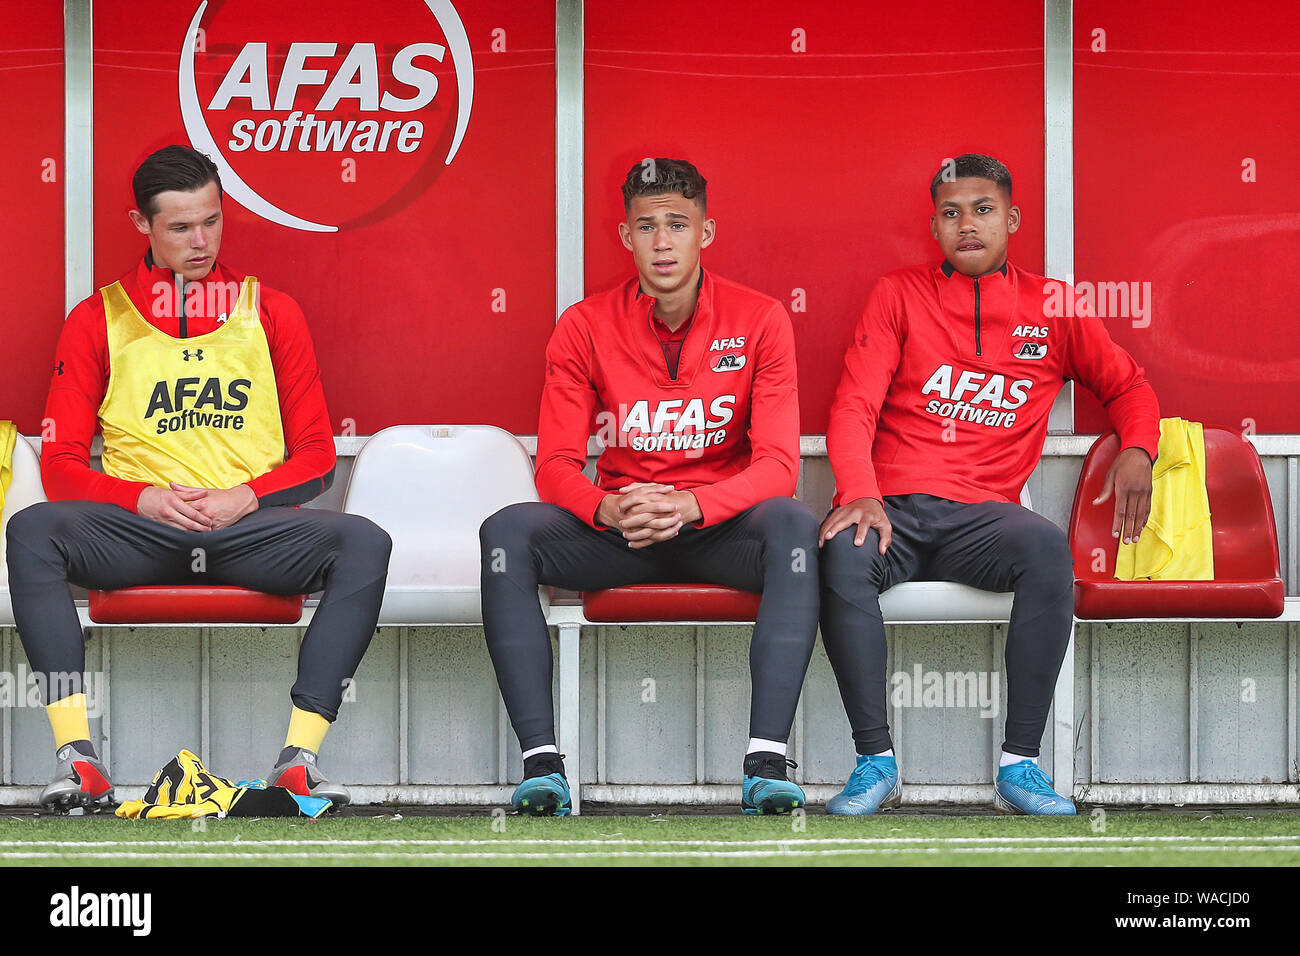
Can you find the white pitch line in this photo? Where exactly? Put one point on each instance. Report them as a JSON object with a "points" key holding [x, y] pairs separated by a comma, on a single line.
{"points": [[639, 854], [793, 841]]}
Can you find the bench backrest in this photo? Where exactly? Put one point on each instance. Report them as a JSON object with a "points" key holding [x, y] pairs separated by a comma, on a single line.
{"points": [[1241, 511], [430, 487]]}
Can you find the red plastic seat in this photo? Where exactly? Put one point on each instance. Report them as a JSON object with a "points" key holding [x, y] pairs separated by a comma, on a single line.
{"points": [[1247, 579], [639, 603], [193, 604]]}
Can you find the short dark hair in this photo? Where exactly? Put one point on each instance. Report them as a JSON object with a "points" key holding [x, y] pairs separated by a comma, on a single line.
{"points": [[172, 167], [971, 166], [656, 176]]}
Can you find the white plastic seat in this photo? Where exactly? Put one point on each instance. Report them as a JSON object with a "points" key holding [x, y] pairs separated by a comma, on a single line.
{"points": [[942, 601], [25, 489], [430, 487], [945, 602]]}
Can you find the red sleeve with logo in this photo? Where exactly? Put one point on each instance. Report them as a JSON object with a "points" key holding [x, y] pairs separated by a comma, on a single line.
{"points": [[571, 397], [773, 469], [869, 365]]}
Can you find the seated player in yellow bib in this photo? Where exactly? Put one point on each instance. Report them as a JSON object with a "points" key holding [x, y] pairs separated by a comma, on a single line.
{"points": [[205, 385]]}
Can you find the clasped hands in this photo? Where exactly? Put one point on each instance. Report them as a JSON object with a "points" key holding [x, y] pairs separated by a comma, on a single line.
{"points": [[196, 509], [647, 512]]}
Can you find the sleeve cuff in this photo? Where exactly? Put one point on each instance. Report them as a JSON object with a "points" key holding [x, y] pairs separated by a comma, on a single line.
{"points": [[585, 506], [854, 492], [1149, 443], [291, 496], [129, 497], [711, 510]]}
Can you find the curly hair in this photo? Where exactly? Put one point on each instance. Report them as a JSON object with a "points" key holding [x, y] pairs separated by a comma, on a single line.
{"points": [[655, 176], [971, 166]]}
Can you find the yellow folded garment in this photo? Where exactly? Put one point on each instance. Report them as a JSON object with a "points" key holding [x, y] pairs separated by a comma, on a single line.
{"points": [[184, 789], [8, 435], [1177, 543]]}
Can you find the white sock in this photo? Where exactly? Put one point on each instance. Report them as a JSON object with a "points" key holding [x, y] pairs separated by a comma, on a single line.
{"points": [[758, 743], [1008, 759], [543, 749]]}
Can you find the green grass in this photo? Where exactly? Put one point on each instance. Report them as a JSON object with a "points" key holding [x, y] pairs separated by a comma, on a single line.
{"points": [[1243, 838]]}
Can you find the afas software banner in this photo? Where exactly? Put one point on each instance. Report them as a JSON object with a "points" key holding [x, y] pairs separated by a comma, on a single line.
{"points": [[388, 119], [389, 165]]}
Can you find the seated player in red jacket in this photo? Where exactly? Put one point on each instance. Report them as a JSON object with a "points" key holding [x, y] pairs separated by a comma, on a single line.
{"points": [[939, 419], [690, 380], [199, 377]]}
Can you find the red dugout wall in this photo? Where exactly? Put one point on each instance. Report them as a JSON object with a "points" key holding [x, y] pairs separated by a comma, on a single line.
{"points": [[817, 124], [31, 190], [1185, 119], [818, 128]]}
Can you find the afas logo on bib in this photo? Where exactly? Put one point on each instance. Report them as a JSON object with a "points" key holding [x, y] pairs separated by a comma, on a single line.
{"points": [[329, 121]]}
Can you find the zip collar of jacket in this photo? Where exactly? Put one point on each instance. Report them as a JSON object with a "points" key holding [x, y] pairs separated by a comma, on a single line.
{"points": [[949, 271], [156, 282], [641, 306], [973, 298]]}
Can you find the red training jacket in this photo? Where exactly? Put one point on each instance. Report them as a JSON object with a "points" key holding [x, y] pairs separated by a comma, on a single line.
{"points": [[726, 428], [81, 372], [949, 381]]}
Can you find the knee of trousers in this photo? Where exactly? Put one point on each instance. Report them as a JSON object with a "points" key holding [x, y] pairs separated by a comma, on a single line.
{"points": [[512, 530], [362, 540], [514, 526], [786, 524], [847, 568], [1045, 559], [35, 528]]}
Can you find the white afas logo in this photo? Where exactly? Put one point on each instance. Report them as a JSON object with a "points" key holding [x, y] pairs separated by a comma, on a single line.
{"points": [[991, 390]]}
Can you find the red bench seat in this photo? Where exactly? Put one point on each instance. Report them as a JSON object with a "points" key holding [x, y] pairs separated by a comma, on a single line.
{"points": [[1247, 577], [193, 604], [639, 603]]}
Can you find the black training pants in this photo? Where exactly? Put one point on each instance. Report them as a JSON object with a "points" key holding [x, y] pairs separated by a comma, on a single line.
{"points": [[276, 550], [771, 548], [992, 545]]}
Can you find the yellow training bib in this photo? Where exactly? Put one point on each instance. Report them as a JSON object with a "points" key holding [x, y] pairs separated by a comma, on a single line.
{"points": [[201, 411]]}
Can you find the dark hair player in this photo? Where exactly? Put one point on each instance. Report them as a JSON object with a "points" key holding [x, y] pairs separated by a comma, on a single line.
{"points": [[200, 378], [694, 378]]}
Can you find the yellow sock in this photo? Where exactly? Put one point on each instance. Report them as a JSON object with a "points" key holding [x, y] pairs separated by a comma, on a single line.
{"points": [[68, 719], [306, 730]]}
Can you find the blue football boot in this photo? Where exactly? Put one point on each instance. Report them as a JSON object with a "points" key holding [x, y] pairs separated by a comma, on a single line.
{"points": [[765, 788], [1024, 788], [545, 791], [873, 786]]}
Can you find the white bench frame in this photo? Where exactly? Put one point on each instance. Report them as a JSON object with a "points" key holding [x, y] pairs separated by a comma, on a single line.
{"points": [[569, 621]]}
